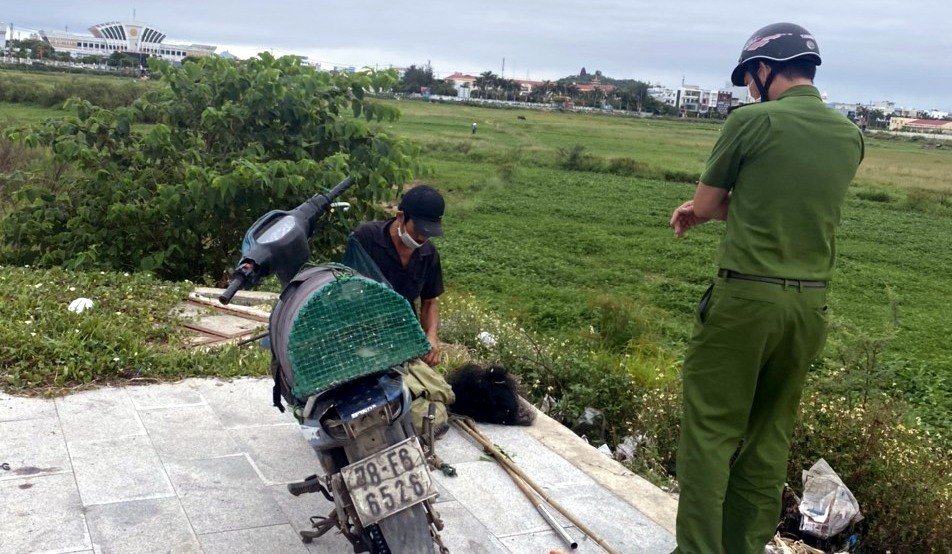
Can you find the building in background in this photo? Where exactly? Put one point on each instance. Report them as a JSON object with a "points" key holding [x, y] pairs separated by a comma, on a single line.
{"points": [[845, 108], [663, 94], [595, 85], [932, 126], [132, 37], [688, 99], [526, 86], [462, 82]]}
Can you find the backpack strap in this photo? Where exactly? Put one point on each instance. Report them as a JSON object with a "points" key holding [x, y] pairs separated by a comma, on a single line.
{"points": [[276, 390]]}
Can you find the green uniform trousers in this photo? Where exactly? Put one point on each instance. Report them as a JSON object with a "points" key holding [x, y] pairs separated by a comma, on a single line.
{"points": [[742, 377]]}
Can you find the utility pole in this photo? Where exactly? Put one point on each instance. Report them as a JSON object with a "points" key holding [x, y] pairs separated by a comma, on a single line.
{"points": [[502, 73]]}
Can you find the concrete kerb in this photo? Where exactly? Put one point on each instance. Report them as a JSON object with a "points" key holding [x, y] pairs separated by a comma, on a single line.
{"points": [[648, 499]]}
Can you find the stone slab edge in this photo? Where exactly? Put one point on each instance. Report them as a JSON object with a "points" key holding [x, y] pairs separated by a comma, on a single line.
{"points": [[648, 499]]}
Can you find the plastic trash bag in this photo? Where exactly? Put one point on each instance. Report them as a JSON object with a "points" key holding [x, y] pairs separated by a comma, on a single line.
{"points": [[827, 506], [628, 447], [487, 339], [80, 305], [591, 425]]}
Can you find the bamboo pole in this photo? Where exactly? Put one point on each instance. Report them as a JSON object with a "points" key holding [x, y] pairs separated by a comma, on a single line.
{"points": [[470, 428]]}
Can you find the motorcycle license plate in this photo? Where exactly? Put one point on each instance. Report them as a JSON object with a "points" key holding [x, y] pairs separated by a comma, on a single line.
{"points": [[389, 481]]}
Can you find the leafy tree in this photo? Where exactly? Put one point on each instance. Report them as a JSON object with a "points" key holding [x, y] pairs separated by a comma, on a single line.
{"points": [[32, 48], [93, 59], [485, 84], [415, 78], [233, 140], [442, 87], [122, 59]]}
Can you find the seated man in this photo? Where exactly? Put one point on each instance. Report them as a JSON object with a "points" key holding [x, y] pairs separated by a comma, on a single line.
{"points": [[408, 260]]}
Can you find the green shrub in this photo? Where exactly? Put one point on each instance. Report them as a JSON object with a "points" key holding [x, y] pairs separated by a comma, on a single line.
{"points": [[926, 200], [628, 167], [569, 375], [620, 322], [21, 165], [896, 471], [104, 92], [235, 140], [874, 195], [576, 158], [676, 176], [128, 333], [508, 164]]}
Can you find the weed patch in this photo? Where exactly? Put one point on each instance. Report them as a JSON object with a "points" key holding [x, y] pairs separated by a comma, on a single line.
{"points": [[54, 90], [874, 196], [577, 158], [628, 167], [128, 333]]}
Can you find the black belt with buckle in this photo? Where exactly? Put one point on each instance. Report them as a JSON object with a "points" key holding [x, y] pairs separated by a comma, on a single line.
{"points": [[728, 274]]}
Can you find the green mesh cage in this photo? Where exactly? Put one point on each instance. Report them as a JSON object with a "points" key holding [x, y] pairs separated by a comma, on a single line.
{"points": [[348, 328]]}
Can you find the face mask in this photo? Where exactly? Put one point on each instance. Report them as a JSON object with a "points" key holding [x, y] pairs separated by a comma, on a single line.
{"points": [[407, 239]]}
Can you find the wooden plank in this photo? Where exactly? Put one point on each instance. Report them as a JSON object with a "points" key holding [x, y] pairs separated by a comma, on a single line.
{"points": [[209, 331], [249, 313]]}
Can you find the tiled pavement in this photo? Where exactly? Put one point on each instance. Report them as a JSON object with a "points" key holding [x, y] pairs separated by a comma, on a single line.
{"points": [[201, 466]]}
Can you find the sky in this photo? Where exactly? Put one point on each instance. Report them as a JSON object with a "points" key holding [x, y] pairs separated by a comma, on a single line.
{"points": [[872, 49]]}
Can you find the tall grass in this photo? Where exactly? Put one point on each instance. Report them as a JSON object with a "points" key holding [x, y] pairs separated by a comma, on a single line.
{"points": [[107, 92]]}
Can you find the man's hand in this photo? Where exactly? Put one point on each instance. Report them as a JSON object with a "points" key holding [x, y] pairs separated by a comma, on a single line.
{"points": [[684, 217], [433, 357]]}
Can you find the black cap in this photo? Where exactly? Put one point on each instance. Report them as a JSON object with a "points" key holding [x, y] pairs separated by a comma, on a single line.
{"points": [[424, 205], [779, 42]]}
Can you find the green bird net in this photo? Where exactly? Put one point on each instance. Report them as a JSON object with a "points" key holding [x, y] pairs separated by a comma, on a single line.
{"points": [[338, 326]]}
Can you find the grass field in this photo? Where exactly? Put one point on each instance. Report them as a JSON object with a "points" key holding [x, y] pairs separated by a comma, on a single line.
{"points": [[541, 243], [51, 89], [16, 113]]}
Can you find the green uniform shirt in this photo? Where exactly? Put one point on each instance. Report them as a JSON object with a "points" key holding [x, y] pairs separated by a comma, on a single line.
{"points": [[787, 164]]}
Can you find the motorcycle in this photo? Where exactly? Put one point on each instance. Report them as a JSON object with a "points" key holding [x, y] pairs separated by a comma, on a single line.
{"points": [[338, 340]]}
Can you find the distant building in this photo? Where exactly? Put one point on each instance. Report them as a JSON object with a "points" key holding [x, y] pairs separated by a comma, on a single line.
{"points": [[846, 109], [463, 83], [688, 99], [885, 106], [663, 94], [132, 37], [525, 86], [932, 126], [595, 85], [458, 79]]}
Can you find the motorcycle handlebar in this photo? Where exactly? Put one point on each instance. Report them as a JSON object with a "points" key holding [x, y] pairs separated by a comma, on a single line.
{"points": [[248, 270], [236, 283], [340, 188], [322, 202]]}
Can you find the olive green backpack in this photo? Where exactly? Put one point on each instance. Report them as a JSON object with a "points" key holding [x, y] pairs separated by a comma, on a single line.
{"points": [[427, 387]]}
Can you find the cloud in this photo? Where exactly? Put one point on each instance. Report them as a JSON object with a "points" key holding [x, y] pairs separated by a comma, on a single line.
{"points": [[872, 49]]}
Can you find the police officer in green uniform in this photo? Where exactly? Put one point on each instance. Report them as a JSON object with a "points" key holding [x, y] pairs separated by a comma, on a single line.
{"points": [[778, 175]]}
